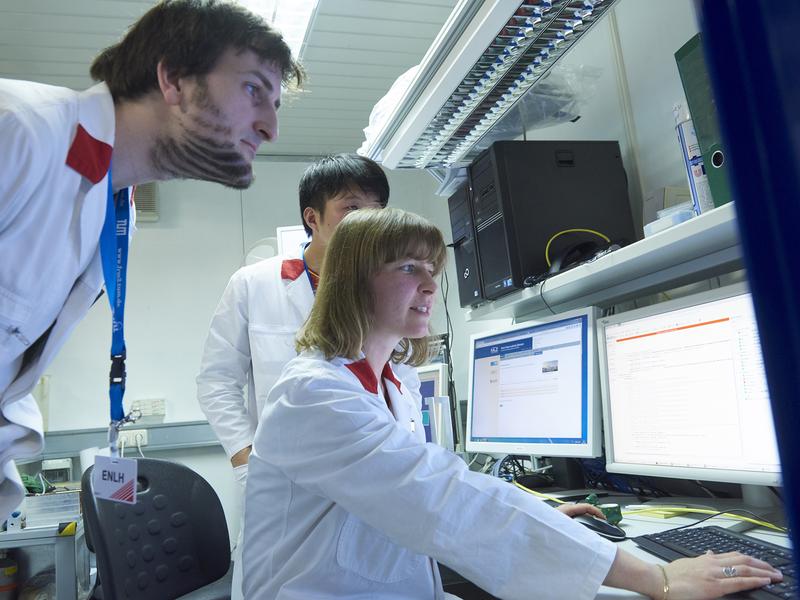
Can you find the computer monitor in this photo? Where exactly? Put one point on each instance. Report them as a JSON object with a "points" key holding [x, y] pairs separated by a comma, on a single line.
{"points": [[438, 417], [290, 238], [532, 388], [684, 391], [433, 380]]}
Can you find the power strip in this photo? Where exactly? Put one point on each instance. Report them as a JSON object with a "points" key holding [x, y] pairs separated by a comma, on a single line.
{"points": [[132, 437]]}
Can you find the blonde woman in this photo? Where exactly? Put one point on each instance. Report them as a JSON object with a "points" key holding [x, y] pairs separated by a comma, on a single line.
{"points": [[346, 500]]}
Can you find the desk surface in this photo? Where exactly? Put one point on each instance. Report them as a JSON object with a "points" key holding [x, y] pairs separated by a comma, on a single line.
{"points": [[29, 536], [639, 524]]}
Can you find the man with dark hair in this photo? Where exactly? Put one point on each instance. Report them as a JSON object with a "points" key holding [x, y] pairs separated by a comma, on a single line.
{"points": [[332, 187], [252, 332], [191, 91], [207, 75], [328, 177], [189, 36]]}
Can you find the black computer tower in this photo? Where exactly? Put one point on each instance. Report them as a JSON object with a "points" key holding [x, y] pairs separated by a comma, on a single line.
{"points": [[464, 250], [534, 200]]}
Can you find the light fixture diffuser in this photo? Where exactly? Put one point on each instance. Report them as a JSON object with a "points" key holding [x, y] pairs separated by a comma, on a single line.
{"points": [[291, 17]]}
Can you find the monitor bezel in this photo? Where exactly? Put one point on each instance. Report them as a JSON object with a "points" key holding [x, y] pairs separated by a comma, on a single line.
{"points": [[436, 373], [677, 472], [592, 447]]}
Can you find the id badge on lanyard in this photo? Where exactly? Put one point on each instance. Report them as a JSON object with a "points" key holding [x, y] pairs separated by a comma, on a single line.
{"points": [[114, 478]]}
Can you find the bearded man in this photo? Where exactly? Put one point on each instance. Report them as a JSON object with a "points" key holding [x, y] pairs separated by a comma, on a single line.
{"points": [[191, 91]]}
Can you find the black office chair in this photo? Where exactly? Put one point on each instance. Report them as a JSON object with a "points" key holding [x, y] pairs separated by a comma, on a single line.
{"points": [[173, 541]]}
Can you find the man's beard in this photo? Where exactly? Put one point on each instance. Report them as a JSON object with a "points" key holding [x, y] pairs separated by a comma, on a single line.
{"points": [[196, 152]]}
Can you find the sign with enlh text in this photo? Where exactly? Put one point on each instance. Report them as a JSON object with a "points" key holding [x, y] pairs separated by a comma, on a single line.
{"points": [[114, 479]]}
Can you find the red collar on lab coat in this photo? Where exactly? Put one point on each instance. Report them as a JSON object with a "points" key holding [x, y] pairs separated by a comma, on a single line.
{"points": [[363, 372]]}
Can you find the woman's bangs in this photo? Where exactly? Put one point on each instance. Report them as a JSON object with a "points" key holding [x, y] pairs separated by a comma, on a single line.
{"points": [[392, 234], [428, 248]]}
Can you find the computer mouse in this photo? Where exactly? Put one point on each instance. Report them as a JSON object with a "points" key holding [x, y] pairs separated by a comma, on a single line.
{"points": [[601, 527]]}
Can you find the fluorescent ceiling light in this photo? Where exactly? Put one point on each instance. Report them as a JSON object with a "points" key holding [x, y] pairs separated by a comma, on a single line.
{"points": [[290, 17]]}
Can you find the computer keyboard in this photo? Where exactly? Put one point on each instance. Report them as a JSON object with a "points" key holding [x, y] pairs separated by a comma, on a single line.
{"points": [[694, 541]]}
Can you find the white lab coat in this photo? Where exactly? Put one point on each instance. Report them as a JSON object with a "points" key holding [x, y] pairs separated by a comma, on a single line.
{"points": [[51, 215], [346, 500], [250, 340]]}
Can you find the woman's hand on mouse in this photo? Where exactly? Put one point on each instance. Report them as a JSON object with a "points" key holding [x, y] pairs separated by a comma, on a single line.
{"points": [[574, 510]]}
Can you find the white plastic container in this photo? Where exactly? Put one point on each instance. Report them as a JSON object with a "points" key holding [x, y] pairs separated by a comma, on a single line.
{"points": [[669, 220]]}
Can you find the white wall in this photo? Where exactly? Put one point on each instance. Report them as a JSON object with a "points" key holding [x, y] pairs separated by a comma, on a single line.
{"points": [[177, 270], [651, 31]]}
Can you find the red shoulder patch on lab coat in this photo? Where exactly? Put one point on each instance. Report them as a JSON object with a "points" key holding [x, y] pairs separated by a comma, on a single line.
{"points": [[89, 156], [292, 268]]}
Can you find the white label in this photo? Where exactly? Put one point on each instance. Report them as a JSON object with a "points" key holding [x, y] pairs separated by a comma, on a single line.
{"points": [[115, 479]]}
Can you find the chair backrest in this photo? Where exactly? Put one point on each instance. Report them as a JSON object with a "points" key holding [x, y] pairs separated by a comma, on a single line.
{"points": [[172, 541]]}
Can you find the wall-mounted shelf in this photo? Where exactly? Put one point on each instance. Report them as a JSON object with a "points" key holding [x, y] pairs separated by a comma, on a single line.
{"points": [[703, 247]]}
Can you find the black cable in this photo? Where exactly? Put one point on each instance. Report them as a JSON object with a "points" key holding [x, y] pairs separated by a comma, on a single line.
{"points": [[705, 489], [596, 476], [510, 467], [448, 358], [776, 492], [540, 280], [532, 280], [541, 295]]}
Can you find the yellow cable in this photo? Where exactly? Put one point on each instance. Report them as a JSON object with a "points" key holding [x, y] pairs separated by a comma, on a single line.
{"points": [[576, 230], [661, 510], [539, 494]]}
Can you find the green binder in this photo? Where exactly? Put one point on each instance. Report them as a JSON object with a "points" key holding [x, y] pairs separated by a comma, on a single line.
{"points": [[700, 101]]}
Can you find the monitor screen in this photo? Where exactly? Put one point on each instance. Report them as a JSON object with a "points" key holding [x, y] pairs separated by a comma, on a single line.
{"points": [[684, 391], [532, 388]]}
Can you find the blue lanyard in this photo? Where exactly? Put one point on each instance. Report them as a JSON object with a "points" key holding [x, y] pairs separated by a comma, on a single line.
{"points": [[114, 254], [308, 271]]}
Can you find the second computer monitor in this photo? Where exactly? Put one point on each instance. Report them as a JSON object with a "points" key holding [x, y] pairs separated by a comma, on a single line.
{"points": [[532, 388], [684, 391]]}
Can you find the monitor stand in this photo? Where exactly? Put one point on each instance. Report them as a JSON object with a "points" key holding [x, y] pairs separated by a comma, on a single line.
{"points": [[763, 502], [760, 496]]}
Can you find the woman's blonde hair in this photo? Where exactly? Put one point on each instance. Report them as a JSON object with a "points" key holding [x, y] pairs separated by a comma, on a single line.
{"points": [[362, 244]]}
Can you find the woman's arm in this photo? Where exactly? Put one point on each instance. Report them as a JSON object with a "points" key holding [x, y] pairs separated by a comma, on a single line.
{"points": [[689, 578]]}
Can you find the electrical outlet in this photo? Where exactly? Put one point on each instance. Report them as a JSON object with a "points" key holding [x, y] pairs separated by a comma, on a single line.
{"points": [[131, 436]]}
